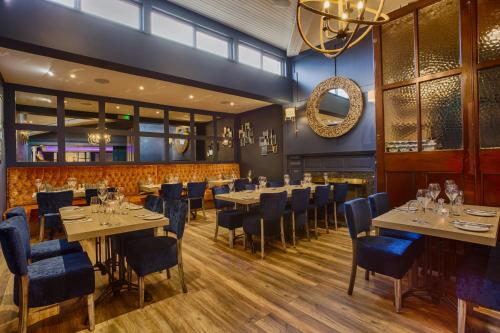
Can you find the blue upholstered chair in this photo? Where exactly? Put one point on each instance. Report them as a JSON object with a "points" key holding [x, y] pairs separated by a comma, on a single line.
{"points": [[169, 193], [340, 191], [154, 254], [478, 282], [250, 187], [153, 203], [320, 201], [239, 184], [226, 216], [48, 209], [268, 220], [47, 281], [298, 211], [384, 255], [380, 204], [275, 183], [195, 198], [45, 249]]}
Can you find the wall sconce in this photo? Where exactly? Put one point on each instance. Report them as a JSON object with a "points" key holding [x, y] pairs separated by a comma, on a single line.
{"points": [[290, 116]]}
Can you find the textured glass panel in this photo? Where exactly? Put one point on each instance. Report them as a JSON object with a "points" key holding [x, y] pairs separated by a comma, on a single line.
{"points": [[400, 117], [488, 28], [438, 33], [398, 61], [441, 107], [489, 107]]}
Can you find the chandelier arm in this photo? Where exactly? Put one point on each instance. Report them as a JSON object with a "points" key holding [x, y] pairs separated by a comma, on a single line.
{"points": [[304, 38]]}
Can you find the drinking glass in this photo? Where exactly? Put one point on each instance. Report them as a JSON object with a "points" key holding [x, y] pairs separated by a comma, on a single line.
{"points": [[102, 193], [94, 204], [120, 194], [249, 176], [423, 198], [451, 192], [325, 177], [286, 179], [231, 186], [38, 184], [104, 216], [124, 206], [434, 190], [112, 202], [458, 204]]}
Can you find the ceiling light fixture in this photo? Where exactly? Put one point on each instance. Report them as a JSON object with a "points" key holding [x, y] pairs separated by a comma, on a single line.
{"points": [[191, 96], [50, 73], [117, 107], [340, 20], [72, 76], [141, 87], [231, 104]]}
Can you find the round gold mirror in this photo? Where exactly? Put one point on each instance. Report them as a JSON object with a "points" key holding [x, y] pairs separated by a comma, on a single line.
{"points": [[334, 107]]}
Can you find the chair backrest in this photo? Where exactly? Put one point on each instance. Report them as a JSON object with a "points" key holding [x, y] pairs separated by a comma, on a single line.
{"points": [[272, 205], [239, 184], [275, 183], [196, 190], [153, 203], [220, 204], [170, 192], [294, 181], [177, 217], [300, 199], [379, 204], [250, 187], [14, 245], [92, 192], [340, 191], [50, 202], [357, 214], [321, 194], [16, 211]]}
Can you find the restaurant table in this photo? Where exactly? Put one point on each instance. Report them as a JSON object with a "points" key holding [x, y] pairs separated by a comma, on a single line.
{"points": [[211, 183]]}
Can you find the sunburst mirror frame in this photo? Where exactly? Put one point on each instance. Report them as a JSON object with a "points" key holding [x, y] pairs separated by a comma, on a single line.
{"points": [[355, 107]]}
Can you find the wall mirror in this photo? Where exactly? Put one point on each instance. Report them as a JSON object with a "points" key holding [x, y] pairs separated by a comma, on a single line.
{"points": [[334, 107]]}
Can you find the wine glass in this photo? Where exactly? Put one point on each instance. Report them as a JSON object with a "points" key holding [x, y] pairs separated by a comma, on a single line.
{"points": [[451, 192], [94, 204], [423, 198], [102, 193], [434, 190], [231, 186], [249, 176], [120, 194], [325, 177], [286, 180], [38, 184]]}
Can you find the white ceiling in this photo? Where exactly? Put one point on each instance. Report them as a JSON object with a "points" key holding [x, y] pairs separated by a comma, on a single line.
{"points": [[264, 19], [33, 70]]}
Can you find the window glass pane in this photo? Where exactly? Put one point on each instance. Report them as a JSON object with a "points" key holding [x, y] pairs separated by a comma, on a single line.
{"points": [[81, 113], [179, 122], [489, 107], [78, 148], [271, 64], [212, 44], [151, 120], [203, 125], [152, 149], [204, 150], [488, 29], [36, 109], [119, 11], [398, 61], [120, 149], [249, 56], [441, 108], [69, 3], [439, 51], [172, 28], [226, 151], [400, 119], [119, 116], [179, 149], [36, 146]]}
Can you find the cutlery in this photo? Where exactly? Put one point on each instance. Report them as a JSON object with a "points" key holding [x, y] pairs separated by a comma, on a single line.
{"points": [[472, 223], [480, 211]]}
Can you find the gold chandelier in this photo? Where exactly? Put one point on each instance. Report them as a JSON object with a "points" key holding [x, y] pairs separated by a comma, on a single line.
{"points": [[95, 138], [342, 20]]}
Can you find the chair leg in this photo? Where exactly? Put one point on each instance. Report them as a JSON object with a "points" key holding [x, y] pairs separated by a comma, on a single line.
{"points": [[141, 291], [326, 220], [203, 208], [180, 266], [23, 304], [216, 226], [189, 211], [462, 315], [307, 227], [293, 229], [91, 313], [262, 238], [282, 232], [231, 238], [129, 276], [335, 214], [42, 229], [354, 267], [397, 295], [168, 273], [367, 275], [316, 222]]}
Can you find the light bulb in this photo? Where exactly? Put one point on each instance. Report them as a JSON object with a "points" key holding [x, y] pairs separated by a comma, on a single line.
{"points": [[344, 16], [326, 4], [361, 5]]}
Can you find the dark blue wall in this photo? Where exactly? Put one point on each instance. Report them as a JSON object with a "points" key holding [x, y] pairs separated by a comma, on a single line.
{"points": [[310, 68], [53, 30], [3, 185]]}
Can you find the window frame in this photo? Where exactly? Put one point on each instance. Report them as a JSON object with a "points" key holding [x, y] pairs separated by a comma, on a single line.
{"points": [[263, 53], [136, 3]]}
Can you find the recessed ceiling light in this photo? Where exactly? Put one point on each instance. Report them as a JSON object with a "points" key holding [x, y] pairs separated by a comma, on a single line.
{"points": [[231, 104], [157, 112], [141, 87], [50, 73], [72, 76], [101, 81], [191, 96], [118, 107]]}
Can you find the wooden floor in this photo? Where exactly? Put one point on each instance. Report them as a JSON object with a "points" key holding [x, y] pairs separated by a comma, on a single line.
{"points": [[229, 290]]}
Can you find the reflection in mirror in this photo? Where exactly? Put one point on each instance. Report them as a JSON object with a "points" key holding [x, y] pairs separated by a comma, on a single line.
{"points": [[333, 107], [151, 120], [80, 113], [179, 123], [119, 116], [36, 109], [203, 125], [36, 146]]}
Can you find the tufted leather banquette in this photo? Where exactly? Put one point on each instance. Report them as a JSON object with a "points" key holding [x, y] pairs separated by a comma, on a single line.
{"points": [[21, 180]]}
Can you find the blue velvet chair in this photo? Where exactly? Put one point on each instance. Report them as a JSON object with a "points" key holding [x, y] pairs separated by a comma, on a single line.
{"points": [[320, 201], [45, 282], [250, 187], [478, 282], [239, 184], [380, 204], [195, 198], [340, 191], [275, 183], [298, 211], [92, 192], [45, 249], [384, 255], [169, 193], [154, 254], [48, 209], [226, 216], [268, 220]]}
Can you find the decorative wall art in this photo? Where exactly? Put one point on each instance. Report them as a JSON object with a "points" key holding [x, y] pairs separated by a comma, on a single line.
{"points": [[227, 134], [246, 135], [268, 142]]}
